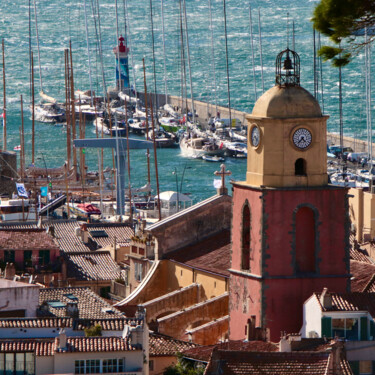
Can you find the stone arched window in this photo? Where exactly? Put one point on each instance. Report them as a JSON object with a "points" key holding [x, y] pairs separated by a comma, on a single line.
{"points": [[305, 240], [300, 167], [245, 237]]}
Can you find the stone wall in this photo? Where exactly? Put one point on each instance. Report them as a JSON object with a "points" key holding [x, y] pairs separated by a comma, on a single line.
{"points": [[193, 224]]}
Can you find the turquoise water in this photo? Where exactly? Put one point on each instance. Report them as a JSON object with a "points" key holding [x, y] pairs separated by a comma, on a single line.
{"points": [[60, 21]]}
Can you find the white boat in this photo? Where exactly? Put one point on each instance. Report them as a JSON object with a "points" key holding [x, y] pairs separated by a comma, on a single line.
{"points": [[100, 125], [198, 147], [16, 209], [88, 111], [236, 149], [163, 139], [49, 112], [137, 125], [129, 99]]}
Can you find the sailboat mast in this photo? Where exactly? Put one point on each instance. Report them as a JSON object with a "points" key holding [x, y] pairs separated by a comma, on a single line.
{"points": [[128, 157], [252, 54], [37, 43], [165, 63], [260, 50], [4, 103], [118, 51], [33, 111], [153, 55], [213, 53], [227, 61], [67, 110], [148, 151], [88, 51], [156, 162], [73, 111], [127, 21], [101, 50], [22, 142], [189, 63]]}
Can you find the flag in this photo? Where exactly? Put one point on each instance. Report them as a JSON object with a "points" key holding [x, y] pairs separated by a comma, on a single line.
{"points": [[217, 184], [21, 191], [44, 191]]}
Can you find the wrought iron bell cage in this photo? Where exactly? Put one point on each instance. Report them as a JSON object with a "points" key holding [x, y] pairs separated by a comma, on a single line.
{"points": [[287, 68]]}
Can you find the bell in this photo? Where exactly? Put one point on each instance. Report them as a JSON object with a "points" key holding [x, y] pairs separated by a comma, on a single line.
{"points": [[288, 63]]}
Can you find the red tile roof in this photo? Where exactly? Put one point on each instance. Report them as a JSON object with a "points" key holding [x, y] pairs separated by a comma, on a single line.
{"points": [[69, 242], [211, 254], [47, 347], [115, 324], [263, 363], [363, 276], [26, 239], [97, 265], [161, 345], [97, 344], [203, 353], [355, 301], [361, 255]]}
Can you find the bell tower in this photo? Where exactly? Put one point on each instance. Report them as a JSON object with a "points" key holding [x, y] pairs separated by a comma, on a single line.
{"points": [[290, 229]]}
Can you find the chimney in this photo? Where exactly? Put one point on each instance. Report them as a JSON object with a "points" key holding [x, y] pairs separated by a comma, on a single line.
{"points": [[62, 339], [337, 355], [72, 310], [51, 231], [326, 299], [84, 233], [10, 271], [285, 344]]}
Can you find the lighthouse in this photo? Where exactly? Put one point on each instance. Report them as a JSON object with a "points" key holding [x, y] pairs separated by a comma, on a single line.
{"points": [[122, 65]]}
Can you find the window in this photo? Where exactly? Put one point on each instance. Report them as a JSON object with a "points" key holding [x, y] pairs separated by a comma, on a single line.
{"points": [[300, 167], [93, 366], [44, 257], [138, 271], [100, 366], [79, 367], [346, 328], [365, 367], [151, 365], [17, 364], [27, 258], [245, 256], [305, 240], [9, 256]]}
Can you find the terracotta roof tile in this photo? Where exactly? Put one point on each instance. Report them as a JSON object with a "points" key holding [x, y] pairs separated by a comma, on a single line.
{"points": [[203, 353], [26, 239], [47, 347], [361, 255], [355, 301], [263, 363], [97, 265], [97, 344], [161, 345], [90, 305], [363, 276], [69, 242], [211, 254]]}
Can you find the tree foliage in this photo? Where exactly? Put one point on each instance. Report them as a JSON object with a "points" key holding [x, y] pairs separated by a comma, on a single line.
{"points": [[184, 367], [93, 331], [344, 22]]}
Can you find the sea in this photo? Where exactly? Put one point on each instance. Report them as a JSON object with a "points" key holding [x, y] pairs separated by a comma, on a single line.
{"points": [[282, 23]]}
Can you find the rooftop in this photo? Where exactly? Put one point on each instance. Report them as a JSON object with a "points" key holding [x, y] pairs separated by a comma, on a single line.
{"points": [[211, 254], [90, 305], [26, 239], [47, 347], [161, 345], [263, 363], [97, 265]]}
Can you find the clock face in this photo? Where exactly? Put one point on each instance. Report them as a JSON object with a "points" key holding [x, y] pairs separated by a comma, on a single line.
{"points": [[255, 136], [302, 138]]}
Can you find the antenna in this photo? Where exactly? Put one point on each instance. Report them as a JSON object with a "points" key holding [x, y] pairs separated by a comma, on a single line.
{"points": [[287, 30]]}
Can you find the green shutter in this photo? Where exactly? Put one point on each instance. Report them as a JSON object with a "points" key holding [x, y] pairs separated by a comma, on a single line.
{"points": [[372, 329], [364, 331], [326, 326], [354, 366]]}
